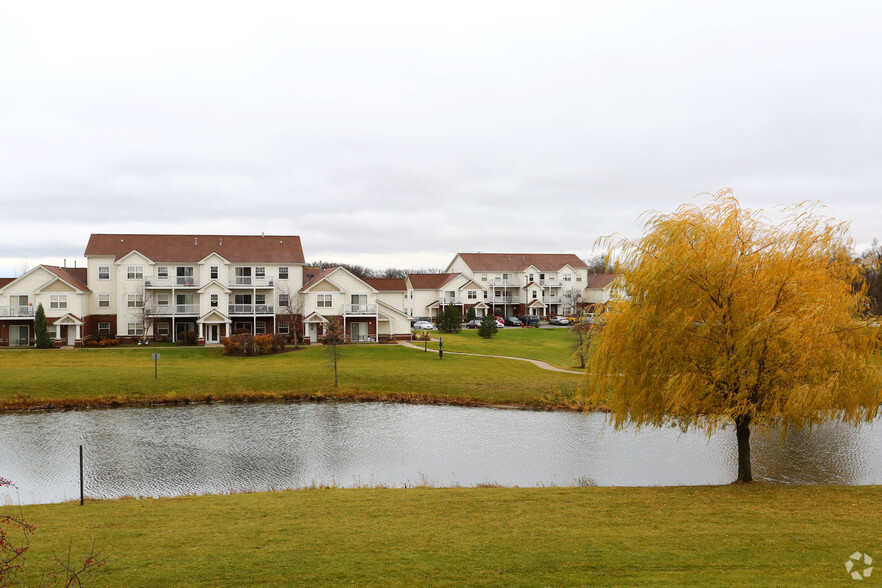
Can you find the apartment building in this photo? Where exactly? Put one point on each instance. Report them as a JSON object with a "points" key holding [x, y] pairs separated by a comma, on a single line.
{"points": [[168, 287], [538, 284]]}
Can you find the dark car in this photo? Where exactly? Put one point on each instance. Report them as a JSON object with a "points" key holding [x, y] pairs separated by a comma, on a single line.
{"points": [[530, 321], [513, 321], [474, 324]]}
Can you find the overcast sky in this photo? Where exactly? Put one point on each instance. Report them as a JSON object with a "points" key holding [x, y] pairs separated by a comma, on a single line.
{"points": [[399, 133]]}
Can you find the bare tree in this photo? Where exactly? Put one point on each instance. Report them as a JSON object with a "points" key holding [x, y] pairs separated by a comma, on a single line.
{"points": [[291, 303], [144, 311], [334, 337], [572, 299]]}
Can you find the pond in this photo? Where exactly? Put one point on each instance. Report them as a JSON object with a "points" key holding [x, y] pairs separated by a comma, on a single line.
{"points": [[221, 448]]}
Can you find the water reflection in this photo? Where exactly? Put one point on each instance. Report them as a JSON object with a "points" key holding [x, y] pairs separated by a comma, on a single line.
{"points": [[222, 448]]}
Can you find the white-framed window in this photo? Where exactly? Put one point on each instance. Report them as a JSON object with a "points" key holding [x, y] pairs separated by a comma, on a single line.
{"points": [[19, 300], [184, 275], [567, 278], [260, 299], [506, 277], [134, 272], [104, 327], [472, 295], [578, 277], [242, 326], [324, 300], [483, 277], [259, 272], [134, 301], [162, 272], [531, 278], [450, 294], [535, 294], [213, 272], [214, 300], [104, 301], [52, 331], [283, 299], [260, 328], [162, 300], [162, 329], [135, 329], [486, 294], [103, 272], [58, 301], [283, 327], [283, 272]]}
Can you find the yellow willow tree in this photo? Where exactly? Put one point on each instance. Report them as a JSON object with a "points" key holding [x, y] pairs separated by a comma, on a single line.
{"points": [[728, 318]]}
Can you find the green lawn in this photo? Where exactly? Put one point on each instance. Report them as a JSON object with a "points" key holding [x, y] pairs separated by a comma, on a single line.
{"points": [[551, 345], [710, 536], [75, 377]]}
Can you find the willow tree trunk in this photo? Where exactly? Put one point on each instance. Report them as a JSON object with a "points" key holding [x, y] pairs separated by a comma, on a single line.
{"points": [[742, 433]]}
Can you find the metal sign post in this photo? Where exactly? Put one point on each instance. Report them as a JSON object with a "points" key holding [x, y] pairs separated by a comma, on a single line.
{"points": [[440, 347], [155, 366]]}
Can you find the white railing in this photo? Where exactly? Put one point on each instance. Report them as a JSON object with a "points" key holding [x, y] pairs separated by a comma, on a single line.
{"points": [[171, 282], [446, 300], [252, 282], [16, 311], [360, 308], [251, 309], [505, 299], [553, 299], [551, 283]]}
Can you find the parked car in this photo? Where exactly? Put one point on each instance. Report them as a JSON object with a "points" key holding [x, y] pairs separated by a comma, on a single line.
{"points": [[474, 324], [513, 321], [500, 324], [561, 321], [530, 320], [423, 326], [417, 319]]}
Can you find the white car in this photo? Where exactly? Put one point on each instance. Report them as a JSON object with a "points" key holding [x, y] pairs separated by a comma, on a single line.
{"points": [[423, 326]]}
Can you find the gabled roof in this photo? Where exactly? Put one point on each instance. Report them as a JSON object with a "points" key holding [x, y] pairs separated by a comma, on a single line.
{"points": [[516, 262], [194, 248], [388, 284], [4, 281], [429, 281], [325, 275], [600, 280], [73, 276]]}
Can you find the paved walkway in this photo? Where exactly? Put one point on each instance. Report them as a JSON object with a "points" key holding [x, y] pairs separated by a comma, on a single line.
{"points": [[536, 362]]}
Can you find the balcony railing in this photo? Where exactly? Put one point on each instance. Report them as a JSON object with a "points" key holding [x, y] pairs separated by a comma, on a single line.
{"points": [[252, 282], [158, 282], [447, 300], [551, 283], [505, 299], [16, 311], [360, 308], [251, 309], [553, 299], [176, 309]]}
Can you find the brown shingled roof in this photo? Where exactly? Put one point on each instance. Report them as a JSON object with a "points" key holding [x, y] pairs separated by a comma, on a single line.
{"points": [[4, 281], [488, 262], [600, 280], [75, 276], [192, 248], [430, 281], [387, 284]]}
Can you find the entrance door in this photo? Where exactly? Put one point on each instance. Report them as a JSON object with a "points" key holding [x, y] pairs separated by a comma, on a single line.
{"points": [[213, 333], [71, 335], [19, 335]]}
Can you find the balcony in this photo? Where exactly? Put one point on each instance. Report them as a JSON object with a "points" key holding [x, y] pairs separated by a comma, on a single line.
{"points": [[505, 299], [16, 311], [251, 309], [251, 282], [350, 309], [174, 310], [551, 283], [445, 300], [553, 299], [160, 282]]}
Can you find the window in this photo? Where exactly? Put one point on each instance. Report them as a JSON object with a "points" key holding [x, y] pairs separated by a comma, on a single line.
{"points": [[450, 294], [214, 300], [283, 327], [506, 277], [134, 301], [260, 299], [283, 299], [567, 278], [134, 272], [283, 273], [162, 272], [103, 272], [162, 300], [58, 301], [18, 301], [260, 328], [535, 294], [578, 277], [472, 295], [323, 300], [213, 272], [52, 331], [104, 301], [184, 275], [242, 326], [531, 278], [135, 329], [242, 298], [104, 328], [162, 329], [243, 275], [483, 277], [486, 293], [259, 273]]}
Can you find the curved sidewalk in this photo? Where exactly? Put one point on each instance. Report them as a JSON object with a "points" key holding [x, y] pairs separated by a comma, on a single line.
{"points": [[536, 362]]}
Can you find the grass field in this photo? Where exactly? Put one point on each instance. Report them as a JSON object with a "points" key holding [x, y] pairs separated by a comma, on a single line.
{"points": [[82, 377], [554, 346], [710, 536]]}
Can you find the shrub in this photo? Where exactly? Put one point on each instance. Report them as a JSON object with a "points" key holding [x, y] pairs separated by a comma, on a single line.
{"points": [[246, 344]]}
